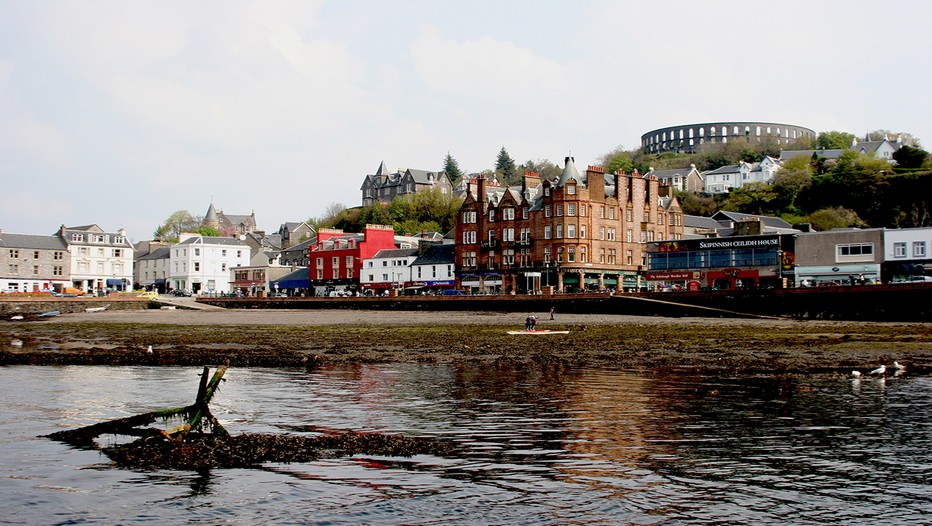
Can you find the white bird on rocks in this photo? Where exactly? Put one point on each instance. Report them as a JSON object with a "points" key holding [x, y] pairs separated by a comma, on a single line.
{"points": [[880, 370], [855, 374], [149, 350], [899, 369]]}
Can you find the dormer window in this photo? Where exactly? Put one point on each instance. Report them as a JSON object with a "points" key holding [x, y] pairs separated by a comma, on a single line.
{"points": [[571, 189]]}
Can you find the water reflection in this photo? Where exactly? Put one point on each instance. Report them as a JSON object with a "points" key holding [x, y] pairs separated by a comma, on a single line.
{"points": [[533, 445]]}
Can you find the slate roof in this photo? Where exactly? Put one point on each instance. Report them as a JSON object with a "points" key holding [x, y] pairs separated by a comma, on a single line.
{"points": [[773, 222], [159, 253], [437, 255], [387, 253], [32, 241]]}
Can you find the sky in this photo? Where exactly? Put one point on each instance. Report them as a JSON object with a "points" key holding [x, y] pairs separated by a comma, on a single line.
{"points": [[120, 113]]}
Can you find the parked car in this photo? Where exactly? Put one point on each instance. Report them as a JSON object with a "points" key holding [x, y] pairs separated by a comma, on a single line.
{"points": [[182, 292], [915, 279]]}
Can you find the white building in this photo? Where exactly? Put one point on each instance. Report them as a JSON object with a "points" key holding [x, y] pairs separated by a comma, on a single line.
{"points": [[434, 269], [907, 252], [99, 260], [203, 264], [387, 269], [728, 178]]}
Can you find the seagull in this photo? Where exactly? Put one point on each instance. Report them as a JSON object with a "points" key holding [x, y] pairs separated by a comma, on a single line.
{"points": [[900, 369], [149, 350], [855, 374], [880, 370]]}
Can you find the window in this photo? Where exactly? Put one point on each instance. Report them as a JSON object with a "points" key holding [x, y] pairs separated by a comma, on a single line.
{"points": [[571, 254], [35, 255], [571, 209], [629, 236], [547, 232], [14, 254], [546, 255], [57, 255], [611, 234], [571, 231], [919, 249], [223, 267], [320, 263], [469, 217], [508, 257], [508, 214], [524, 213], [601, 255], [197, 266], [57, 270], [559, 231], [335, 262], [582, 231], [77, 237], [546, 210], [611, 212], [582, 254], [223, 252], [349, 261], [469, 237], [602, 232], [508, 234], [99, 238], [35, 270], [602, 212], [491, 215], [559, 210], [571, 189], [117, 252], [630, 214], [855, 249], [899, 250]]}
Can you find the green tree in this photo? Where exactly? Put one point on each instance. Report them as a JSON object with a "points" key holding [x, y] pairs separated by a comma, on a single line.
{"points": [[617, 159], [544, 167], [452, 168], [754, 198], [910, 157], [208, 231], [699, 204], [834, 217], [505, 167], [180, 221], [794, 176], [834, 140], [907, 139]]}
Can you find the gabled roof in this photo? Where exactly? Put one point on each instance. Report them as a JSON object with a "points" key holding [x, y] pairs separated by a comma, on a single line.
{"points": [[32, 241], [667, 174]]}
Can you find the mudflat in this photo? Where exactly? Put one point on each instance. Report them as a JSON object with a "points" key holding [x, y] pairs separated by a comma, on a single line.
{"points": [[307, 338]]}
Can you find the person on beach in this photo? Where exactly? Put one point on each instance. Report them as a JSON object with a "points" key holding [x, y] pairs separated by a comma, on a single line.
{"points": [[551, 312]]}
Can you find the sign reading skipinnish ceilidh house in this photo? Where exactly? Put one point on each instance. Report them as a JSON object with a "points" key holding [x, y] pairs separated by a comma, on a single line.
{"points": [[751, 258]]}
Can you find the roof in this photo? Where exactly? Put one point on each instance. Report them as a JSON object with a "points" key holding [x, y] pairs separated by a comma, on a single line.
{"points": [[387, 253], [569, 172], [773, 222], [34, 241], [211, 240], [159, 253], [667, 174], [437, 255]]}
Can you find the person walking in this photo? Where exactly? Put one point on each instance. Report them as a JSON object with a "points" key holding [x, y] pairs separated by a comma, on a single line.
{"points": [[551, 312]]}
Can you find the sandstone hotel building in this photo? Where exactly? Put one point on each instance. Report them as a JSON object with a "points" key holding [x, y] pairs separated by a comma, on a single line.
{"points": [[577, 233]]}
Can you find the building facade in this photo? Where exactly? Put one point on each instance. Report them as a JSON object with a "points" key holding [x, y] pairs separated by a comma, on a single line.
{"points": [[382, 186], [100, 261], [686, 138], [907, 252], [33, 263], [388, 269], [202, 264], [731, 177], [839, 257], [578, 233], [152, 271], [336, 257]]}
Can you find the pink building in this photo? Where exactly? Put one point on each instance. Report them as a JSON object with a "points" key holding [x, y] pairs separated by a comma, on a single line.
{"points": [[336, 258]]}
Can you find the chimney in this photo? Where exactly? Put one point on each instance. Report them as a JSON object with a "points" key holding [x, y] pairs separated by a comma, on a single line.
{"points": [[530, 181], [595, 176]]}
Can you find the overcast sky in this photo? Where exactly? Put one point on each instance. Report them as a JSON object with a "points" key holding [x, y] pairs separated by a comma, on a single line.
{"points": [[121, 112]]}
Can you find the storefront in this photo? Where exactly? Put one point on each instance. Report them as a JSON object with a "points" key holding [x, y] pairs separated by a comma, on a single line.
{"points": [[743, 262]]}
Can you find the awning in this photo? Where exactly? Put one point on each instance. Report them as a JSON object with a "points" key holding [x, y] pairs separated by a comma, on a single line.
{"points": [[114, 281], [293, 280]]}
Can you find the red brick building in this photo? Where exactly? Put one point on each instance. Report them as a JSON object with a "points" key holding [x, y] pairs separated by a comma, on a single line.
{"points": [[336, 257], [578, 233]]}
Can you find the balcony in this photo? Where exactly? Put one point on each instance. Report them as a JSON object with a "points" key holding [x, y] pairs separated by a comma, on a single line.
{"points": [[488, 245]]}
